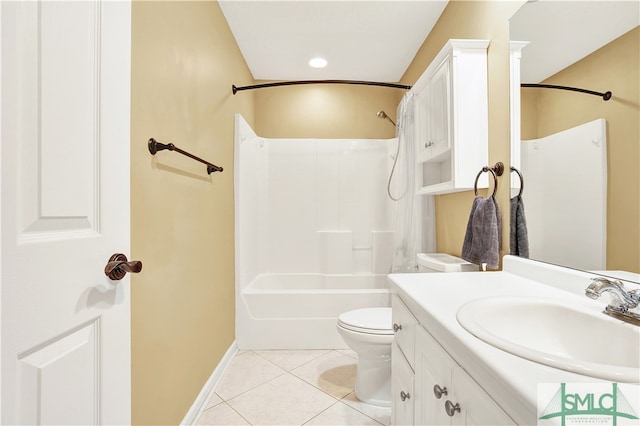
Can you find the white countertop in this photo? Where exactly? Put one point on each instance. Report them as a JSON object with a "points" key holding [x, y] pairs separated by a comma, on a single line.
{"points": [[510, 380]]}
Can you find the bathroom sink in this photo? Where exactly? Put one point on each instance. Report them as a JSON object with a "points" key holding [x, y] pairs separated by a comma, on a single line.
{"points": [[559, 335]]}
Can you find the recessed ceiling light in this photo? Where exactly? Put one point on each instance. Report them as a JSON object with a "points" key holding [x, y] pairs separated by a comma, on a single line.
{"points": [[318, 63]]}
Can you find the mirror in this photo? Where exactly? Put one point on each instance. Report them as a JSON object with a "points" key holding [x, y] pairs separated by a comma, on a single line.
{"points": [[590, 45]]}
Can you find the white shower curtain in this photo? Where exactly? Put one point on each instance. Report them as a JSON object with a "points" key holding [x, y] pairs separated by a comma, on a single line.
{"points": [[414, 221]]}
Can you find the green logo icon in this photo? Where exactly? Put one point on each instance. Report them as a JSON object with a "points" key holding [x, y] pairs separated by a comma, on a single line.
{"points": [[588, 406]]}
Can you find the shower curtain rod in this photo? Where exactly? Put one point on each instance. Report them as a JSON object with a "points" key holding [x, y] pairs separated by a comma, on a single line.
{"points": [[236, 89], [605, 96]]}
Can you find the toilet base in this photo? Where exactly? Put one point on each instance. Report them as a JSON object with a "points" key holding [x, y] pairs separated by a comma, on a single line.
{"points": [[373, 380]]}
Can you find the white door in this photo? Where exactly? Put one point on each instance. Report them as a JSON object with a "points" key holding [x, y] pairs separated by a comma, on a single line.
{"points": [[65, 335]]}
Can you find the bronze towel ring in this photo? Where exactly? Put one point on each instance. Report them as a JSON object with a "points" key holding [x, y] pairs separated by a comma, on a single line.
{"points": [[496, 171], [513, 169]]}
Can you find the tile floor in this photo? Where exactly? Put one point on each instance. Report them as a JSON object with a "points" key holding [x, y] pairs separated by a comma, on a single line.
{"points": [[291, 387]]}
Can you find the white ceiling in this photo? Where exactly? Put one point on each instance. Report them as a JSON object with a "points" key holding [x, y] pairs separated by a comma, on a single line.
{"points": [[361, 40], [376, 40], [562, 32]]}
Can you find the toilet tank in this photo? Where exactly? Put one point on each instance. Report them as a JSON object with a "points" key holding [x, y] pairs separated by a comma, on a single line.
{"points": [[443, 262]]}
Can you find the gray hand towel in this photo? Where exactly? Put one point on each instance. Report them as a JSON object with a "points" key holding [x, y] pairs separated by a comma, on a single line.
{"points": [[518, 236], [483, 239]]}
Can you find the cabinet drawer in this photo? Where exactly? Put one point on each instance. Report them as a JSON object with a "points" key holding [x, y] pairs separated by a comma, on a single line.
{"points": [[404, 324], [402, 396]]}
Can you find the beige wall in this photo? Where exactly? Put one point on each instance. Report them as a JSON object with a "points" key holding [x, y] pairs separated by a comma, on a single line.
{"points": [[481, 20], [184, 61], [325, 111], [615, 67], [349, 111]]}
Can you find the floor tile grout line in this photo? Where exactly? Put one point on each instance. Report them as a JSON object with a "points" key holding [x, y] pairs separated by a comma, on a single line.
{"points": [[315, 359], [358, 409], [240, 414], [320, 389], [336, 398], [230, 407], [337, 402], [226, 402], [304, 363], [256, 386], [284, 371], [327, 351], [296, 377], [247, 390]]}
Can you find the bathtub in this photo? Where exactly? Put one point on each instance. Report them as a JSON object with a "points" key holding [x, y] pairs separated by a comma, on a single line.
{"points": [[299, 311]]}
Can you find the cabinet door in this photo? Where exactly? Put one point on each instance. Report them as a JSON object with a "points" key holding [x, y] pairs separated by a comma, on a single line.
{"points": [[402, 396], [422, 124], [476, 406], [433, 367], [404, 324], [438, 112]]}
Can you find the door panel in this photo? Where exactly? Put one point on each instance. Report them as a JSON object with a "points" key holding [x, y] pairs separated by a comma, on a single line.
{"points": [[65, 211], [67, 364], [59, 94]]}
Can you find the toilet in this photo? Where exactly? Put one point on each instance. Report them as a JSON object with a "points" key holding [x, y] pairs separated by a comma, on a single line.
{"points": [[369, 333], [443, 262]]}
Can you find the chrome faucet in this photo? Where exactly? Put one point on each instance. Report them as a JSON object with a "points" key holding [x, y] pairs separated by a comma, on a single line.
{"points": [[621, 302]]}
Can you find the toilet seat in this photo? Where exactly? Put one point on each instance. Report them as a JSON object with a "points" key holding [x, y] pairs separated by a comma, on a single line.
{"points": [[368, 321]]}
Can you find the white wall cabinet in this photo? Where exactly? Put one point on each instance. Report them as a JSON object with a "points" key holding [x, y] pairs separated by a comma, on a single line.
{"points": [[433, 102], [432, 388], [451, 119]]}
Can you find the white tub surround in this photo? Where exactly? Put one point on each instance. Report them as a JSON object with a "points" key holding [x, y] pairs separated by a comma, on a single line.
{"points": [[505, 386], [299, 311], [580, 195], [314, 236]]}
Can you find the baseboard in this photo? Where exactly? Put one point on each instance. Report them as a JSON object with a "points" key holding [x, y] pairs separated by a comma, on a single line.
{"points": [[205, 394]]}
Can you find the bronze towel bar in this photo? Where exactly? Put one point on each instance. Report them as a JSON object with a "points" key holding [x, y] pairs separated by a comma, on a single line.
{"points": [[155, 146]]}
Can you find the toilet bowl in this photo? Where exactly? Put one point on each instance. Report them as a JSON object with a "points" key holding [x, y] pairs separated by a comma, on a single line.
{"points": [[368, 333]]}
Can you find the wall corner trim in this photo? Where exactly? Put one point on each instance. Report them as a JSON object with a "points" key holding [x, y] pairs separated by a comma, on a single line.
{"points": [[209, 387]]}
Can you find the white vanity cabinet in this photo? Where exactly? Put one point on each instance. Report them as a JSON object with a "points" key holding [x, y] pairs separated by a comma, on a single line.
{"points": [[445, 393], [451, 118], [402, 388], [402, 363], [404, 325], [426, 381]]}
